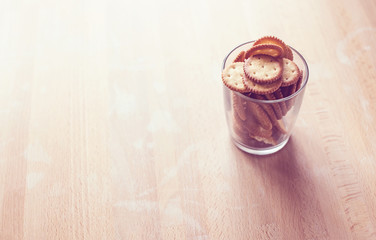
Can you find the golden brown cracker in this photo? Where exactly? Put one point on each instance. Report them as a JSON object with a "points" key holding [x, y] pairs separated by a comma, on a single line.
{"points": [[239, 106], [269, 109], [263, 69], [288, 54], [267, 140], [280, 126], [290, 73], [240, 57], [259, 115], [264, 49], [275, 41], [289, 91], [278, 95], [292, 89], [276, 107], [278, 136], [261, 88], [255, 129], [239, 127], [232, 77]]}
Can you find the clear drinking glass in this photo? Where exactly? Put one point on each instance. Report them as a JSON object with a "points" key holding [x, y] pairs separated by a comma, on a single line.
{"points": [[244, 114]]}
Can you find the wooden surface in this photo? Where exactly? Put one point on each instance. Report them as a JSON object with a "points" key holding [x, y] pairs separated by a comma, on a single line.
{"points": [[112, 123]]}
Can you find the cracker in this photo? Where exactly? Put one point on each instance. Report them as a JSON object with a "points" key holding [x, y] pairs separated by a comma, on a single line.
{"points": [[267, 108], [232, 77], [264, 49], [280, 126], [284, 91], [289, 91], [276, 122], [240, 57], [263, 69], [278, 95], [267, 140], [279, 136], [261, 88], [239, 127], [259, 114], [290, 73], [255, 129], [239, 106], [287, 53], [276, 107]]}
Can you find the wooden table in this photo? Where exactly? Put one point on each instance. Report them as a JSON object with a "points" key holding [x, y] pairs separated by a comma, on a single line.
{"points": [[112, 122]]}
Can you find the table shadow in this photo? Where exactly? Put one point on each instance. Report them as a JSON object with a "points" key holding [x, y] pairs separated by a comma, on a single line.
{"points": [[289, 192]]}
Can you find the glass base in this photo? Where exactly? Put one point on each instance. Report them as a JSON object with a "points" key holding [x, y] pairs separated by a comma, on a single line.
{"points": [[261, 151]]}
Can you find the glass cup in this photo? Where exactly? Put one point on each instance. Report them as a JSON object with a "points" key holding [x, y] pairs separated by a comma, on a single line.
{"points": [[262, 126]]}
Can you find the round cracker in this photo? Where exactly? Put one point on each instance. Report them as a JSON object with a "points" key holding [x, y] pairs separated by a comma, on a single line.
{"points": [[278, 95], [276, 106], [270, 109], [280, 126], [261, 88], [232, 77], [263, 69], [239, 107], [239, 127], [264, 49], [240, 57], [260, 115], [290, 73], [267, 140], [256, 129], [287, 53], [287, 91]]}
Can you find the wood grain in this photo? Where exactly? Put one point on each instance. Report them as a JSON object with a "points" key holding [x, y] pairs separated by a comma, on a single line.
{"points": [[112, 122]]}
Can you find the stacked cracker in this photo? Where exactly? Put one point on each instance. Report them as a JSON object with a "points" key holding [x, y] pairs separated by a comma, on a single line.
{"points": [[265, 72]]}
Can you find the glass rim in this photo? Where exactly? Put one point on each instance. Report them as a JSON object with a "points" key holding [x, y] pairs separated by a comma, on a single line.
{"points": [[304, 81]]}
